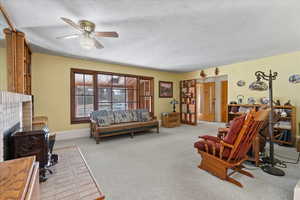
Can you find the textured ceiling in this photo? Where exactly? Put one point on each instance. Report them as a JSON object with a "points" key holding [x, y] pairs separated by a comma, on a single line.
{"points": [[171, 35]]}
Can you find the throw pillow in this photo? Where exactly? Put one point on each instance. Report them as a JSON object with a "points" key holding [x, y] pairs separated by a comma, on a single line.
{"points": [[134, 115], [102, 120], [111, 117], [122, 116], [144, 116], [235, 127]]}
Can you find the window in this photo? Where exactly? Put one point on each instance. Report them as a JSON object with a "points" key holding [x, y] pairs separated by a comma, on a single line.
{"points": [[92, 90]]}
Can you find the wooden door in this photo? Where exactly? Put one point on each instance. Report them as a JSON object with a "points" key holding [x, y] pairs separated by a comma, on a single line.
{"points": [[188, 104], [224, 100], [208, 102]]}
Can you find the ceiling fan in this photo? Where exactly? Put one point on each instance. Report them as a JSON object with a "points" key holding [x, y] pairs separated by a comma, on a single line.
{"points": [[87, 34]]}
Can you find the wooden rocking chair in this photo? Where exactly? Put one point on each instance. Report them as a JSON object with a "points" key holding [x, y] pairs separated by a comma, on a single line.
{"points": [[219, 156]]}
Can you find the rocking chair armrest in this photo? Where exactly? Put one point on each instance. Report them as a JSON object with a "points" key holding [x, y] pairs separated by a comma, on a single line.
{"points": [[226, 144], [209, 137]]}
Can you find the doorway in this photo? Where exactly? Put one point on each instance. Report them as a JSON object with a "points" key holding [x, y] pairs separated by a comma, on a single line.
{"points": [[212, 99]]}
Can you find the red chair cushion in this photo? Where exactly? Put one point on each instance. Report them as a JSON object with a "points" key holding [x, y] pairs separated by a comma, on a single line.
{"points": [[235, 127], [201, 146]]}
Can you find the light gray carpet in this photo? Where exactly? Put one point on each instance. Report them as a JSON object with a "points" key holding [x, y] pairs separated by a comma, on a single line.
{"points": [[164, 167]]}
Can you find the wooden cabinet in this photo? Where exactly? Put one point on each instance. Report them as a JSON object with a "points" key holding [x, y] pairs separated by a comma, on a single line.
{"points": [[18, 62], [19, 179], [170, 120]]}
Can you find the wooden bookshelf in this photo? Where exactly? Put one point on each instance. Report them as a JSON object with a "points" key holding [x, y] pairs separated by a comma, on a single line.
{"points": [[282, 135], [188, 107]]}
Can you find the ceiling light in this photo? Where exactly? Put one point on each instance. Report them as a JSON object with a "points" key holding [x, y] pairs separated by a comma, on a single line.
{"points": [[86, 42]]}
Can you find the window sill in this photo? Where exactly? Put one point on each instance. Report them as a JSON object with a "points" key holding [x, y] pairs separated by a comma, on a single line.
{"points": [[80, 121]]}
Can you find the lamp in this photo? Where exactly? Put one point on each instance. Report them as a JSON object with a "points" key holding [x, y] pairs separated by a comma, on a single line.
{"points": [[174, 102], [260, 85], [86, 42]]}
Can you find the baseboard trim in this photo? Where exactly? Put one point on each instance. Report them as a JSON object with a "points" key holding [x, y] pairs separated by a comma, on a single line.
{"points": [[72, 134]]}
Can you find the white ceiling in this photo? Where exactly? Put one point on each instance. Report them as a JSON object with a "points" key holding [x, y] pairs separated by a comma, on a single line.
{"points": [[171, 35]]}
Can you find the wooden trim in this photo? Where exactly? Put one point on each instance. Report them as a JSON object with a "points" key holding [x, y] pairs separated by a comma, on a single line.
{"points": [[224, 101], [108, 73], [166, 82], [95, 73], [7, 18]]}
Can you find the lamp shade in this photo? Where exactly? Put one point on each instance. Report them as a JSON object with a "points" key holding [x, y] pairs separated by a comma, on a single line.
{"points": [[294, 78], [174, 101], [258, 86], [86, 42]]}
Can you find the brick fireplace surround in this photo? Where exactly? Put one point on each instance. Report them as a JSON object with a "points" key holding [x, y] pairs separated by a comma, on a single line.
{"points": [[14, 108]]}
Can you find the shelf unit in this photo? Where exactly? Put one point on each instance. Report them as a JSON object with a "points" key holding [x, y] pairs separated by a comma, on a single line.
{"points": [[18, 62], [188, 107], [235, 110]]}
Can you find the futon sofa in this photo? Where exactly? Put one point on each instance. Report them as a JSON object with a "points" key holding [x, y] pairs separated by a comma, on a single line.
{"points": [[105, 123]]}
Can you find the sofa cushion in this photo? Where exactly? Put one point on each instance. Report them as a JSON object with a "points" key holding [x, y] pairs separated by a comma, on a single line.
{"points": [[94, 114], [122, 116], [143, 115], [235, 127], [102, 120], [111, 118], [134, 115]]}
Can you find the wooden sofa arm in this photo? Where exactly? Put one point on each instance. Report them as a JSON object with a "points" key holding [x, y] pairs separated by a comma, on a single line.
{"points": [[93, 127]]}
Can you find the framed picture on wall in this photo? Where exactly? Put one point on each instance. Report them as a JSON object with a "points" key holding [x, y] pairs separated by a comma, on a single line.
{"points": [[165, 89]]}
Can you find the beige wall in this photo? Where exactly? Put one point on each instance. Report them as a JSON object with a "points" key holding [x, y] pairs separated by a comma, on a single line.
{"points": [[51, 83], [51, 86], [3, 71], [285, 65]]}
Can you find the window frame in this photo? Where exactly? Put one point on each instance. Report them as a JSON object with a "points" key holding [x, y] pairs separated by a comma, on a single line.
{"points": [[73, 71]]}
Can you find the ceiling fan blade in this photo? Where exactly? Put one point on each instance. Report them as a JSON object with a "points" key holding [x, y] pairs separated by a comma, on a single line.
{"points": [[71, 23], [68, 36], [106, 34], [98, 45]]}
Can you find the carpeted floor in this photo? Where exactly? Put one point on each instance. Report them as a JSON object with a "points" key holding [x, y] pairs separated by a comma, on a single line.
{"points": [[164, 167]]}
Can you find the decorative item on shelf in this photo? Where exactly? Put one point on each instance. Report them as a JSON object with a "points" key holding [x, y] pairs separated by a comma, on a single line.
{"points": [[240, 99], [234, 109], [217, 71], [251, 100], [202, 74], [288, 103], [243, 109], [187, 95], [259, 85], [241, 83], [264, 100], [277, 102], [165, 89], [283, 114], [294, 78], [174, 102], [232, 102]]}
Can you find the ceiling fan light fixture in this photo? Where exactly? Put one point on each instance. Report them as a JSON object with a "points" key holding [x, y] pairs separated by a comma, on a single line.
{"points": [[86, 42]]}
